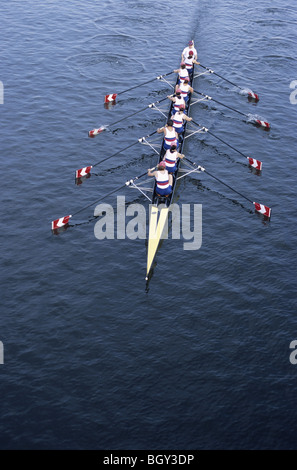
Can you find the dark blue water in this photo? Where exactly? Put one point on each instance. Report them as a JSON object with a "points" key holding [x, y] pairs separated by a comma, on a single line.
{"points": [[91, 360]]}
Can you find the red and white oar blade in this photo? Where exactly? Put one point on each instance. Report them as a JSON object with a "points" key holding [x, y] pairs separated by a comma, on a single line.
{"points": [[253, 95], [83, 171], [58, 223], [261, 123], [109, 98], [262, 209], [95, 132], [255, 163]]}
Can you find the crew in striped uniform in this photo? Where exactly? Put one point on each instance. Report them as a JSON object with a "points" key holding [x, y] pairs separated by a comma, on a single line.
{"points": [[171, 156], [170, 135], [164, 180], [189, 48], [189, 61], [185, 89], [178, 120], [182, 73], [178, 101]]}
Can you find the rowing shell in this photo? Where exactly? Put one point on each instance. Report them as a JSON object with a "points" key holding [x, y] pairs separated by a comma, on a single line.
{"points": [[160, 206], [158, 218]]}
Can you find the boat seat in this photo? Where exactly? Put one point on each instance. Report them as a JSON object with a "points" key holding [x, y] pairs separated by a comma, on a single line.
{"points": [[163, 197]]}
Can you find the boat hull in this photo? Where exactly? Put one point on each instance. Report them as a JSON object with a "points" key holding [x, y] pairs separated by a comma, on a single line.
{"points": [[158, 218]]}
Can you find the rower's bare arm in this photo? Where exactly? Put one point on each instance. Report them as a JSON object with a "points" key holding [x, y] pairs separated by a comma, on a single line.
{"points": [[160, 130], [150, 172], [180, 155]]}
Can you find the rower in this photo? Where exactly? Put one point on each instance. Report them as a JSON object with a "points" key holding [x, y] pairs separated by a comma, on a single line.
{"points": [[189, 61], [170, 135], [182, 73], [164, 180], [187, 49], [185, 89], [171, 156], [178, 100], [178, 120]]}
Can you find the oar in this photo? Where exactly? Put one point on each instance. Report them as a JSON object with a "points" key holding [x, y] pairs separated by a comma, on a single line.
{"points": [[95, 132], [112, 96], [265, 210], [58, 223], [84, 171], [254, 120], [257, 164], [250, 93]]}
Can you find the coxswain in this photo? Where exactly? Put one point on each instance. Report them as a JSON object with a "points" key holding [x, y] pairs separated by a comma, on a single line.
{"points": [[171, 156], [178, 100], [185, 89], [178, 120], [189, 61], [182, 73], [187, 49], [170, 135], [164, 180]]}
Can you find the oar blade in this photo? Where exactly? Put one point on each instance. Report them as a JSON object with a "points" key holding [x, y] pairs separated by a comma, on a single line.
{"points": [[255, 163], [258, 121], [95, 132], [253, 96], [110, 98], [83, 171], [58, 223], [264, 210], [264, 124]]}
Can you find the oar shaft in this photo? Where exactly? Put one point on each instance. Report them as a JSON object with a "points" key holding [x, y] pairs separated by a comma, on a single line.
{"points": [[144, 83], [127, 117], [219, 102], [219, 180], [143, 174], [221, 140], [136, 112], [98, 200], [227, 185], [229, 107], [110, 193], [220, 76], [123, 150], [228, 145], [115, 154]]}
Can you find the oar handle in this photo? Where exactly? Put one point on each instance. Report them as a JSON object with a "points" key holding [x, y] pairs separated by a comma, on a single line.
{"points": [[138, 177]]}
